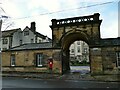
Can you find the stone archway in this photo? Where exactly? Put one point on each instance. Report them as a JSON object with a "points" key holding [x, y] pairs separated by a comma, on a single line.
{"points": [[86, 28], [71, 36], [66, 40]]}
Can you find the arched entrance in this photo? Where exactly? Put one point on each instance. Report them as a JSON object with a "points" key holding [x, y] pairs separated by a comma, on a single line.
{"points": [[85, 28], [79, 57], [66, 40]]}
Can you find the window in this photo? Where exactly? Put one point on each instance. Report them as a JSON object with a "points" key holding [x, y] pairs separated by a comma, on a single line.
{"points": [[78, 42], [118, 59], [85, 50], [79, 57], [26, 33], [32, 41], [83, 43], [40, 41], [20, 42], [5, 40], [39, 60], [13, 60], [72, 50], [78, 49], [4, 48]]}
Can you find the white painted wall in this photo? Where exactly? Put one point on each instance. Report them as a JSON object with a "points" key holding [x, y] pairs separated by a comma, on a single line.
{"points": [[5, 45], [17, 36], [27, 39], [81, 46]]}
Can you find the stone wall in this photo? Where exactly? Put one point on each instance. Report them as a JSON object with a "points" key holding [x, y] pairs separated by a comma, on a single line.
{"points": [[25, 61], [109, 60], [103, 60], [96, 61]]}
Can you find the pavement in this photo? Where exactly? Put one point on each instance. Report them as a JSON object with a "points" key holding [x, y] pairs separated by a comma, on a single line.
{"points": [[67, 76], [76, 73]]}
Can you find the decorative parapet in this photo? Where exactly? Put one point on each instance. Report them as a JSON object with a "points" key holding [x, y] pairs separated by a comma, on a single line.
{"points": [[94, 17]]}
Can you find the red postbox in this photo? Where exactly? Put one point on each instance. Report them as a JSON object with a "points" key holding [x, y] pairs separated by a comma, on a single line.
{"points": [[50, 64]]}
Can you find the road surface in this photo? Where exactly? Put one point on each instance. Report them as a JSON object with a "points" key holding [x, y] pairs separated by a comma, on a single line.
{"points": [[15, 82]]}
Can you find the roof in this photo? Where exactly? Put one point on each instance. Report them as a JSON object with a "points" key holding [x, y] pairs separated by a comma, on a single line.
{"points": [[38, 34], [42, 36], [110, 41], [32, 46], [9, 32]]}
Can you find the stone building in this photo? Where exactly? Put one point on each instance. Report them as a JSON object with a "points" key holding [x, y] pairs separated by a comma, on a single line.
{"points": [[30, 58]]}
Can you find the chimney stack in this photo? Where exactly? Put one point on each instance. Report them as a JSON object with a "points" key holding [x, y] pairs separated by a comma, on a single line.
{"points": [[33, 26]]}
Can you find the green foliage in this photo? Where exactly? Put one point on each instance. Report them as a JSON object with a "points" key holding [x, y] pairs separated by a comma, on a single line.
{"points": [[56, 70], [77, 63]]}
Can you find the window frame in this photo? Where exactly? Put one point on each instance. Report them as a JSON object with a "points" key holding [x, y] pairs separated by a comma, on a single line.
{"points": [[78, 42], [72, 50], [12, 60], [21, 42], [39, 58], [4, 49], [32, 40], [26, 33], [85, 50], [4, 41], [78, 49]]}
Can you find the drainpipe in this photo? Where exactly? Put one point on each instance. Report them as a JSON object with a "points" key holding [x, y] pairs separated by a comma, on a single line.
{"points": [[0, 35], [1, 46]]}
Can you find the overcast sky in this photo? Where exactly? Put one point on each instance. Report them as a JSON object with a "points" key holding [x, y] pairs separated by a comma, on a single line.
{"points": [[23, 12]]}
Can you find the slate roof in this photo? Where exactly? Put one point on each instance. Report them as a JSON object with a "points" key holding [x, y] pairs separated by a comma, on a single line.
{"points": [[32, 46], [38, 34], [42, 36], [9, 32], [110, 41]]}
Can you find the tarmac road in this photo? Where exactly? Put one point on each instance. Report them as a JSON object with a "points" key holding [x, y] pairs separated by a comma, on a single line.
{"points": [[15, 82]]}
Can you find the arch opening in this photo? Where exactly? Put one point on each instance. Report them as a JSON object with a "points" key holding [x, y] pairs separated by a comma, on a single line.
{"points": [[72, 36], [79, 57], [69, 39]]}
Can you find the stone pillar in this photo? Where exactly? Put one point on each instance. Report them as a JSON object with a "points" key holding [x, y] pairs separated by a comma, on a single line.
{"points": [[96, 61], [54, 22], [57, 61], [96, 17], [65, 61]]}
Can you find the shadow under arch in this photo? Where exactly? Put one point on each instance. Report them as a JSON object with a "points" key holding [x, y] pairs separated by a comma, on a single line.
{"points": [[73, 35], [66, 40]]}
